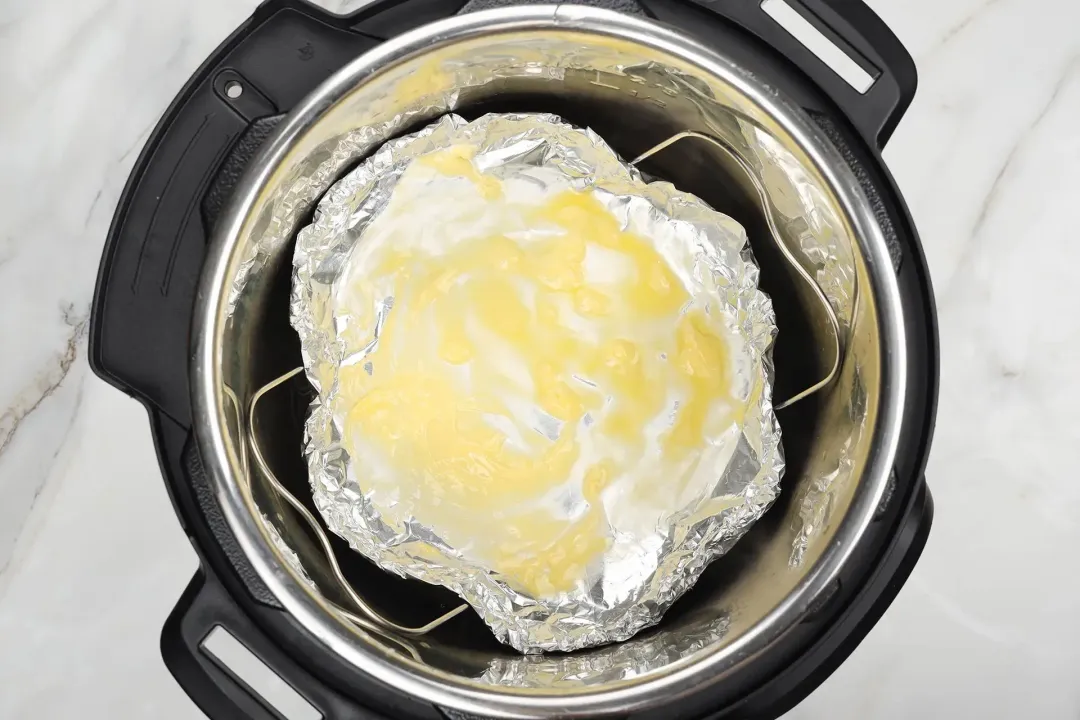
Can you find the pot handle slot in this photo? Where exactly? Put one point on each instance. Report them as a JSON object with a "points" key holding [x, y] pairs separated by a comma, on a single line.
{"points": [[203, 644], [867, 49]]}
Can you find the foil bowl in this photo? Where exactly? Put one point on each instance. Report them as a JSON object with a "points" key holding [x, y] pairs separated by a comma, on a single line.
{"points": [[660, 523]]}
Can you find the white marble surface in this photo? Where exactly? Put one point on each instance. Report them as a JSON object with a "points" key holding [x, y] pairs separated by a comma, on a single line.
{"points": [[91, 558]]}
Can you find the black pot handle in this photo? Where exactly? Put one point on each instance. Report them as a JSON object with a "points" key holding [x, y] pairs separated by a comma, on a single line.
{"points": [[218, 691], [850, 24], [857, 30], [154, 252]]}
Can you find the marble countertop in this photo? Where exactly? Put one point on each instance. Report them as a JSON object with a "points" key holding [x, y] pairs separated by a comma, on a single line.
{"points": [[92, 558]]}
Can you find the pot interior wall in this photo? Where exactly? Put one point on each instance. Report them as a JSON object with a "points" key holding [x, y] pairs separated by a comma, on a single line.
{"points": [[634, 97]]}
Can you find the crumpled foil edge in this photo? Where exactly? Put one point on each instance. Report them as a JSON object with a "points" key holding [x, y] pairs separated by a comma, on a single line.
{"points": [[340, 499]]}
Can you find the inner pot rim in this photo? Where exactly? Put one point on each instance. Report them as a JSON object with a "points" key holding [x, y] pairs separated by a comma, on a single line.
{"points": [[223, 466]]}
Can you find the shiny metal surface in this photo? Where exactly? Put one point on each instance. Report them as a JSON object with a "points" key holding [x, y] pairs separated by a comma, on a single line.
{"points": [[638, 83]]}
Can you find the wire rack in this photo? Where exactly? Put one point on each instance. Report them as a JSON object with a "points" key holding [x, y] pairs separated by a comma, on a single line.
{"points": [[365, 616]]}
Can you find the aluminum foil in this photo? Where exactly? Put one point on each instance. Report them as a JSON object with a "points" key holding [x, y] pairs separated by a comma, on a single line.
{"points": [[625, 661], [654, 551]]}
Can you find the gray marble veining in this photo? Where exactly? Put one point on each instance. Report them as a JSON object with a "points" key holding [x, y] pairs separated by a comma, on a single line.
{"points": [[91, 558]]}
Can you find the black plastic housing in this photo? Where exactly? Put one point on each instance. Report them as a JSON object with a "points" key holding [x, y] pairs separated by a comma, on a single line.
{"points": [[142, 311]]}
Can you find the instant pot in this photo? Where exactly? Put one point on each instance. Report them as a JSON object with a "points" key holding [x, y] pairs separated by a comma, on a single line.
{"points": [[190, 316]]}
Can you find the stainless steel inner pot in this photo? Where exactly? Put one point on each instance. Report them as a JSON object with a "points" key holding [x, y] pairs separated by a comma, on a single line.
{"points": [[635, 83]]}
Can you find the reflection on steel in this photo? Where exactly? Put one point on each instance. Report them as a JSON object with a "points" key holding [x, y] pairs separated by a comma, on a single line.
{"points": [[374, 621]]}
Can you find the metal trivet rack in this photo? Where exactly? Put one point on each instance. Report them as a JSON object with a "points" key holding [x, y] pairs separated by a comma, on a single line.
{"points": [[369, 618]]}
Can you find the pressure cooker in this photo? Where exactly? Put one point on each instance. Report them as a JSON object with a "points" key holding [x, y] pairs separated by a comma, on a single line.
{"points": [[190, 316]]}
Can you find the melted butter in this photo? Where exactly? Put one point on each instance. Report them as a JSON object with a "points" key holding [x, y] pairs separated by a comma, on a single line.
{"points": [[457, 161], [428, 80], [483, 328]]}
